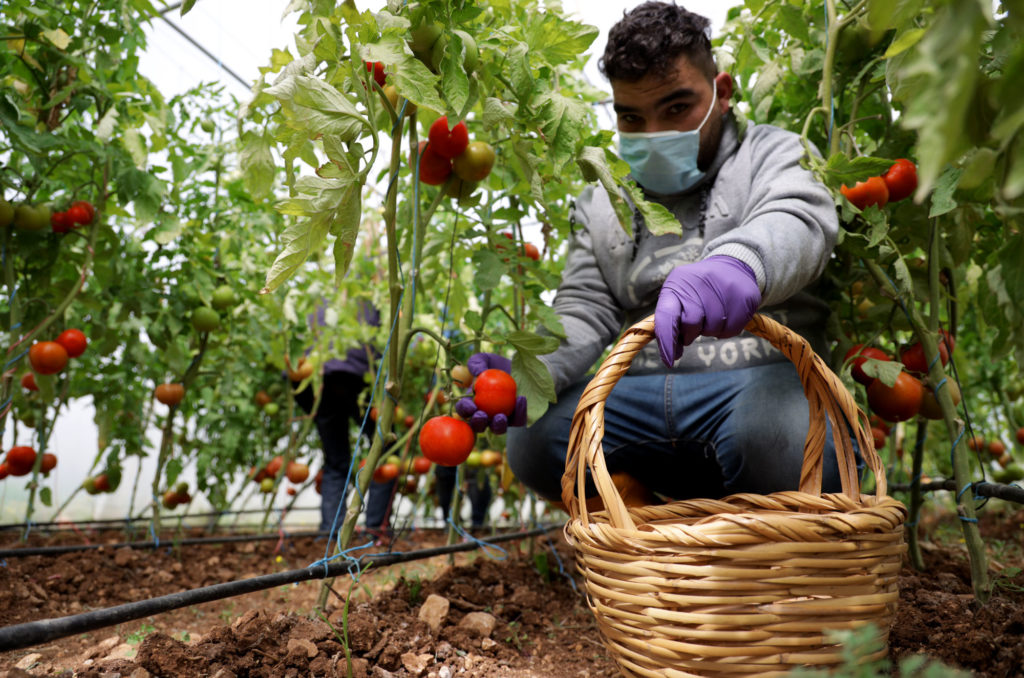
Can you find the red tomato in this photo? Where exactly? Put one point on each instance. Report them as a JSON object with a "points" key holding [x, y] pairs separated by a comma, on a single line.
{"points": [[170, 394], [60, 222], [4, 471], [49, 462], [996, 448], [78, 215], [73, 341], [948, 340], [275, 465], [901, 180], [377, 68], [879, 437], [89, 210], [446, 440], [20, 460], [867, 193], [448, 142], [409, 421], [434, 168], [878, 422], [495, 392], [977, 443], [899, 403], [28, 382], [385, 473], [530, 250], [101, 483], [47, 357], [420, 465], [913, 357], [297, 472], [862, 353]]}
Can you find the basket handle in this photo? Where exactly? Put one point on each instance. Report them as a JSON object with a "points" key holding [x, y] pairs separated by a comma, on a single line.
{"points": [[825, 393]]}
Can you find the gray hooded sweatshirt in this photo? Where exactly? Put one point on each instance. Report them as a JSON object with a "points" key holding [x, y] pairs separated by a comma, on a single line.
{"points": [[755, 203]]}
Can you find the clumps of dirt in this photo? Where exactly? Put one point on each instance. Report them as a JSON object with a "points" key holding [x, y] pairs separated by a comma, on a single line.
{"points": [[938, 615], [518, 617]]}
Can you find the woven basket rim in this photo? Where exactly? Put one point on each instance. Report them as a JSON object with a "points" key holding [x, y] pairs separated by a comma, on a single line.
{"points": [[827, 396]]}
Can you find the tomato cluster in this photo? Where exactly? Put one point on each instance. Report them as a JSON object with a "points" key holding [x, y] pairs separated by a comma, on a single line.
{"points": [[176, 497], [908, 396], [447, 150], [899, 182], [50, 357], [81, 213]]}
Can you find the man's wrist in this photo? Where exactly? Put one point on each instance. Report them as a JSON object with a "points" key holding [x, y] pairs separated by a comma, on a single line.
{"points": [[748, 256]]}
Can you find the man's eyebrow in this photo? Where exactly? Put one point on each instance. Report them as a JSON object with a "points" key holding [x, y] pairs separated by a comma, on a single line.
{"points": [[681, 93]]}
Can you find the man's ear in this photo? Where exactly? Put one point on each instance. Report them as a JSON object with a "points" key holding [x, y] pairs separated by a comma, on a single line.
{"points": [[723, 81]]}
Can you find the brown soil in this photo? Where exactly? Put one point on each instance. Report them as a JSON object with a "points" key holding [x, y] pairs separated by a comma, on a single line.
{"points": [[541, 625]]}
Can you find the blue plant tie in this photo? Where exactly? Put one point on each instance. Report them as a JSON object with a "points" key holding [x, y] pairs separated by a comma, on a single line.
{"points": [[561, 567], [485, 545], [965, 488], [16, 358], [28, 528], [152, 533], [342, 554]]}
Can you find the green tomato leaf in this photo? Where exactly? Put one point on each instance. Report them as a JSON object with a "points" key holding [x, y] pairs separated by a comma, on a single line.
{"points": [[496, 113], [942, 196], [46, 496], [658, 219], [533, 381], [563, 121], [841, 169], [187, 6], [557, 40], [60, 40], [532, 343], [904, 41], [473, 321], [603, 166], [256, 160], [489, 269], [173, 470], [887, 371], [549, 320]]}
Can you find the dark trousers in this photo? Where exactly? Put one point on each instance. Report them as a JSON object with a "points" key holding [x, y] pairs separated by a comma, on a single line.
{"points": [[339, 407], [478, 489]]}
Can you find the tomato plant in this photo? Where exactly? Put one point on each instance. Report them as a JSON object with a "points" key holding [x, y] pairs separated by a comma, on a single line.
{"points": [[446, 440]]}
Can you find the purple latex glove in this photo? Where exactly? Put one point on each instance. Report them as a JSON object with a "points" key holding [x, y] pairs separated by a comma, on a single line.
{"points": [[518, 417], [499, 423], [715, 297], [465, 408], [479, 421], [478, 362]]}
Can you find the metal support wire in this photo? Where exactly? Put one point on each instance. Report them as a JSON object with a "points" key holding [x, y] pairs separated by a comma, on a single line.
{"points": [[202, 49]]}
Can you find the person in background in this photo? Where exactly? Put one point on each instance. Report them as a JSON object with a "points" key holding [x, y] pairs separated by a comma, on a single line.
{"points": [[344, 380], [705, 410]]}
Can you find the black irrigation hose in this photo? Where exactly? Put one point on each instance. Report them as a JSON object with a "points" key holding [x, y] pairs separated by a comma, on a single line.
{"points": [[34, 633], [1014, 493], [170, 542], [140, 519]]}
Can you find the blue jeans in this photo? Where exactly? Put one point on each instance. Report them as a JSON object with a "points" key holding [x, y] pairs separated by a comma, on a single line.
{"points": [[707, 434], [338, 409]]}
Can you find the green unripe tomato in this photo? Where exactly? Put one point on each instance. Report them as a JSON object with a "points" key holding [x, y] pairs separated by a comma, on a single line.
{"points": [[205, 319], [90, 486], [6, 213], [472, 52], [207, 125], [181, 488], [223, 297], [29, 218], [423, 38], [270, 409], [476, 161], [461, 190], [267, 485], [474, 459]]}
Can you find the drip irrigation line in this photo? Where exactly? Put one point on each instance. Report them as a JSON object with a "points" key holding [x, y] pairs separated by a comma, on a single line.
{"points": [[139, 519], [167, 541], [1014, 493], [34, 633]]}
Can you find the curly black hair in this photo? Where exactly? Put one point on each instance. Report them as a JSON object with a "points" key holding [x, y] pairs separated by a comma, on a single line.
{"points": [[649, 39]]}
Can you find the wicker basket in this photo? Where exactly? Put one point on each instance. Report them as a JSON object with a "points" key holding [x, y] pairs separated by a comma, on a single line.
{"points": [[748, 584]]}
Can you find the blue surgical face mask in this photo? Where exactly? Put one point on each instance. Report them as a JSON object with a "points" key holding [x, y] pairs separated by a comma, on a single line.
{"points": [[665, 162]]}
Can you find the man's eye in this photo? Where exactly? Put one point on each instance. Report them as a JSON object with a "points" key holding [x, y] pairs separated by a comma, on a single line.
{"points": [[677, 109]]}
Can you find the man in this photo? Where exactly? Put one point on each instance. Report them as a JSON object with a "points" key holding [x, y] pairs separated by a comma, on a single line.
{"points": [[702, 412]]}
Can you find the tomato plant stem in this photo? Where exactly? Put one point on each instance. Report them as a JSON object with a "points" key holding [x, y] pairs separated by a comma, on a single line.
{"points": [[916, 497], [961, 469]]}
